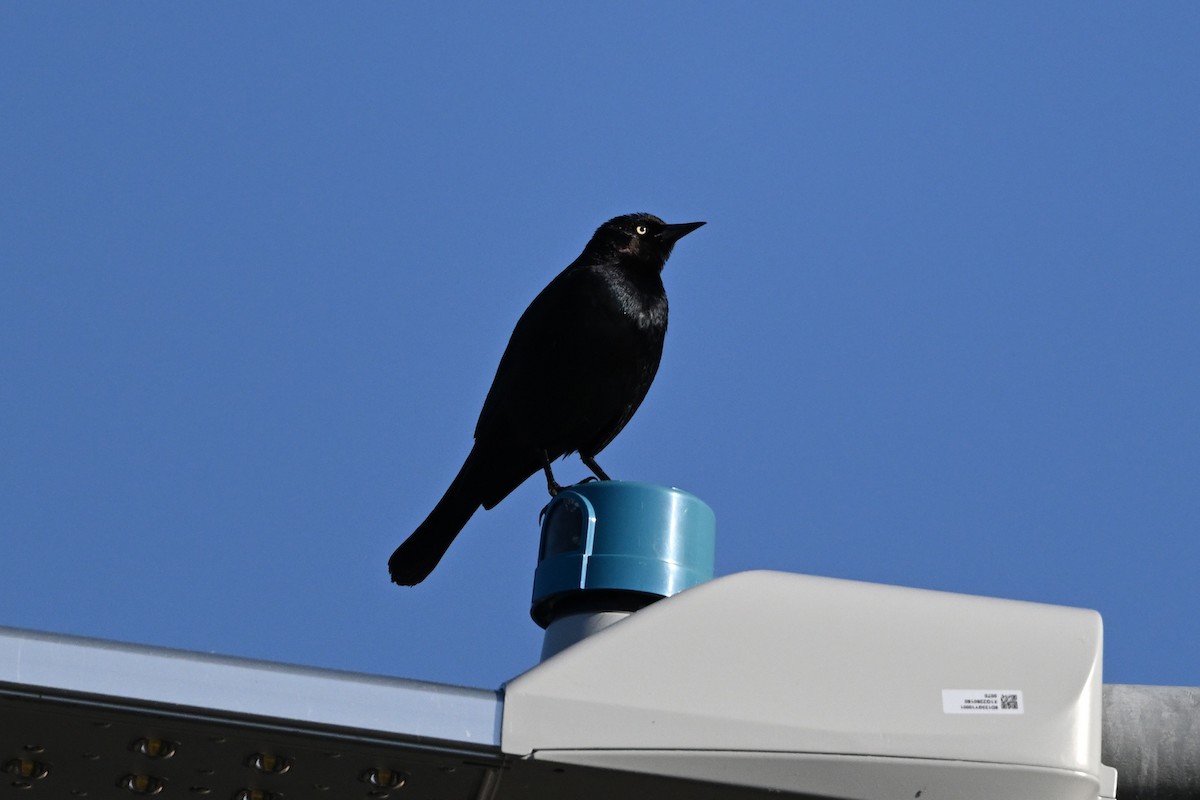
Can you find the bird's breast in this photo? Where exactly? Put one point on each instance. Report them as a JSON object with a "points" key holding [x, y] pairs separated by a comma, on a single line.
{"points": [[642, 303]]}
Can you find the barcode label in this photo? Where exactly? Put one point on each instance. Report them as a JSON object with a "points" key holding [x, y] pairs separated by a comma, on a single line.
{"points": [[983, 701]]}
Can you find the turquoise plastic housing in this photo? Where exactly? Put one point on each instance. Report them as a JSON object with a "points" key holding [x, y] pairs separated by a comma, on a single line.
{"points": [[608, 537]]}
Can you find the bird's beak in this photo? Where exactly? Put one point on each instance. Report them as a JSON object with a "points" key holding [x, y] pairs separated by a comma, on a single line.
{"points": [[670, 234]]}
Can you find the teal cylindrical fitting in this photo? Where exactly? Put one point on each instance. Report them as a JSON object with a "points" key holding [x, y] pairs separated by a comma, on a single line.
{"points": [[619, 546]]}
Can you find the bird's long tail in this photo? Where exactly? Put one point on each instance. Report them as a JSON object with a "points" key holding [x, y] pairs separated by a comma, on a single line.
{"points": [[420, 553]]}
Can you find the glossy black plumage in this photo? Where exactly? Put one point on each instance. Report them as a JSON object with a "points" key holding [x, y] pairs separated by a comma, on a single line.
{"points": [[578, 365]]}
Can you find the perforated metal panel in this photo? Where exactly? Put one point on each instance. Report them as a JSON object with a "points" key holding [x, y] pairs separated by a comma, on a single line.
{"points": [[63, 748]]}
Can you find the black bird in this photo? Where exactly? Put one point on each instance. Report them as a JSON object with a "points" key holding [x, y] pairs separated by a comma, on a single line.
{"points": [[579, 363]]}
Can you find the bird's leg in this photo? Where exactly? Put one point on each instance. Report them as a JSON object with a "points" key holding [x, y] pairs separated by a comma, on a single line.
{"points": [[590, 463], [551, 484]]}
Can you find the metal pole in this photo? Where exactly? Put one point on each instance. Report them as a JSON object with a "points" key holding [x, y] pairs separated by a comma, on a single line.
{"points": [[1151, 735]]}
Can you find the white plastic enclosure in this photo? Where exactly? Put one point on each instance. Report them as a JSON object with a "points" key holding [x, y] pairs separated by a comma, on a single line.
{"points": [[828, 687]]}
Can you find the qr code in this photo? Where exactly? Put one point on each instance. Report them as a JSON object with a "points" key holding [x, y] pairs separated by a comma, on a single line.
{"points": [[1008, 701]]}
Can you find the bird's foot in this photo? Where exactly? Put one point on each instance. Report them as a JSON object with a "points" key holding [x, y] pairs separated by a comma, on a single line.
{"points": [[551, 485], [590, 463]]}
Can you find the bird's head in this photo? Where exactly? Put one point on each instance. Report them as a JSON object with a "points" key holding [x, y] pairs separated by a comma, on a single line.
{"points": [[641, 238]]}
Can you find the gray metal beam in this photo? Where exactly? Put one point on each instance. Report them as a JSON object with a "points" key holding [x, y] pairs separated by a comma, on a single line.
{"points": [[1151, 735]]}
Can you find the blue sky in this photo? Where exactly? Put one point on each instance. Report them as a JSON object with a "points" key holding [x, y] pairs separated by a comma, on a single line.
{"points": [[258, 263]]}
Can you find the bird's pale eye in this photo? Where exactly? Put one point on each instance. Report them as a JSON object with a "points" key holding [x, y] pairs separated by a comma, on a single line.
{"points": [[641, 230]]}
